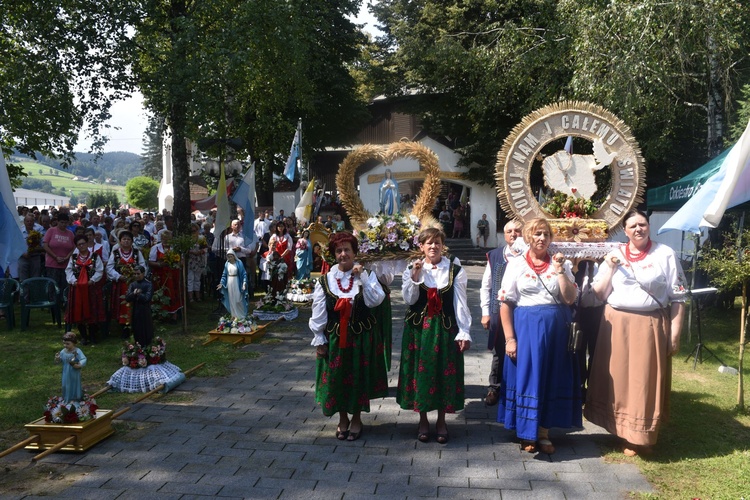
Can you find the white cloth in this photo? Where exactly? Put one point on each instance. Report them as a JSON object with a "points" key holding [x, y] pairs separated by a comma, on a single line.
{"points": [[371, 289], [521, 284], [660, 272], [437, 276]]}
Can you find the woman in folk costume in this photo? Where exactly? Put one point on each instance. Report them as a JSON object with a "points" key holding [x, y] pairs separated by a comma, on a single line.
{"points": [[84, 275], [541, 384], [120, 270], [167, 275], [350, 363], [436, 334], [283, 244]]}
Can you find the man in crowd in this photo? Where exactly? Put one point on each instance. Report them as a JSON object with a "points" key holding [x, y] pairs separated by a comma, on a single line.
{"points": [[497, 262]]}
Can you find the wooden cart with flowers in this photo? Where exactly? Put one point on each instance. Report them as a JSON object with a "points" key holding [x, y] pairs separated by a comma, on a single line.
{"points": [[238, 331]]}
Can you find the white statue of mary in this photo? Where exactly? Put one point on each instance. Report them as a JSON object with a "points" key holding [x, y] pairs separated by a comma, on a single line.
{"points": [[389, 198]]}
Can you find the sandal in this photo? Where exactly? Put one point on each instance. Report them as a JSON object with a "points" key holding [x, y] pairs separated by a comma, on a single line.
{"points": [[441, 438], [342, 435], [423, 437], [528, 446], [546, 446], [353, 436]]}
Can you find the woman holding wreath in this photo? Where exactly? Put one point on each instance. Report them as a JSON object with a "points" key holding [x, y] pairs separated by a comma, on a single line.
{"points": [[436, 334], [629, 386], [540, 382], [350, 362], [84, 275]]}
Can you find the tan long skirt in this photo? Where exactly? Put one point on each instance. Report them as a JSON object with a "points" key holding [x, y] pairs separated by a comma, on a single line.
{"points": [[630, 380]]}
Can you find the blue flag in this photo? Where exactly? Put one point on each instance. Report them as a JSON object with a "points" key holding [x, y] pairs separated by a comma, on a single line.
{"points": [[12, 242], [244, 197], [294, 154]]}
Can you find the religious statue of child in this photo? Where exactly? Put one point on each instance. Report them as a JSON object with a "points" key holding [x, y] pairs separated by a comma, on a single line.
{"points": [[72, 359]]}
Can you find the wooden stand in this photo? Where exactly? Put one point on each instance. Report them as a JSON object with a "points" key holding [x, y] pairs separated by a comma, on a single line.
{"points": [[85, 434], [238, 338]]}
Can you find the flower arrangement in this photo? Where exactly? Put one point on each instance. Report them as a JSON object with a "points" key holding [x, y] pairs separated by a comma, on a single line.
{"points": [[172, 259], [228, 324], [563, 206], [136, 356], [34, 242], [274, 303], [387, 236], [302, 286], [58, 411]]}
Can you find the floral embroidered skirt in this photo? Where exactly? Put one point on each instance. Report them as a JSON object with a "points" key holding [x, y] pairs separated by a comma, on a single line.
{"points": [[541, 387], [431, 375], [350, 377]]}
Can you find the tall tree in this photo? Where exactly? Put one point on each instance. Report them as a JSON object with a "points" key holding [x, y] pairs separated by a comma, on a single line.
{"points": [[665, 68], [153, 148], [221, 70], [62, 64]]}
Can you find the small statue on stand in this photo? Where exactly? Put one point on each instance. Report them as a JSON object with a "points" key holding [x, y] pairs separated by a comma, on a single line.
{"points": [[72, 359]]}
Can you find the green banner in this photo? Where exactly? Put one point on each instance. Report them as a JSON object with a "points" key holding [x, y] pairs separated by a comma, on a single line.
{"points": [[675, 194]]}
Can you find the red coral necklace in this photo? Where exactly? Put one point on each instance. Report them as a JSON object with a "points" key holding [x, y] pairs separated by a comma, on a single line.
{"points": [[538, 268], [347, 289], [639, 256]]}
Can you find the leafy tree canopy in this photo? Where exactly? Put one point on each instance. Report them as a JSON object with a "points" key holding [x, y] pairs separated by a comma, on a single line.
{"points": [[142, 192]]}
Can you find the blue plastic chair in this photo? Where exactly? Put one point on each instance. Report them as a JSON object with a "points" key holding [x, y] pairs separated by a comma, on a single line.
{"points": [[39, 293], [8, 291]]}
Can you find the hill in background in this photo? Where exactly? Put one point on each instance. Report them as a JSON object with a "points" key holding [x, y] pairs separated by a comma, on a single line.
{"points": [[119, 167]]}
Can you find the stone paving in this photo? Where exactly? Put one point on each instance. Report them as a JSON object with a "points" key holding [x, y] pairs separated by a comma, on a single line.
{"points": [[259, 434]]}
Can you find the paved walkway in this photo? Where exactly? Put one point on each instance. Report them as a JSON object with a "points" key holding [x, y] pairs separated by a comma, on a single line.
{"points": [[259, 434]]}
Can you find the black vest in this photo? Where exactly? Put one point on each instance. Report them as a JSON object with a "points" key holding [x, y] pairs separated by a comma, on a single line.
{"points": [[417, 311], [361, 319]]}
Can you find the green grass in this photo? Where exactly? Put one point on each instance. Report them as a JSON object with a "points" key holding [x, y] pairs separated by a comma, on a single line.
{"points": [[703, 452], [65, 180]]}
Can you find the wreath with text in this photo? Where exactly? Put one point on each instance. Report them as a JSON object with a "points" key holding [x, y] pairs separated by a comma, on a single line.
{"points": [[614, 147]]}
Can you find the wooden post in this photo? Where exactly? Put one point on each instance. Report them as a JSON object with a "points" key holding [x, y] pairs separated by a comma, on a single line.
{"points": [[58, 446], [743, 336], [20, 445], [101, 391]]}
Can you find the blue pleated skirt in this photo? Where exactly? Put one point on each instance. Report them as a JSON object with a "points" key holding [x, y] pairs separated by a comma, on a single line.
{"points": [[541, 388]]}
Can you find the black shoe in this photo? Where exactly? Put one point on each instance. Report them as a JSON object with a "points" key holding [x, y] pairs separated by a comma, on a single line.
{"points": [[492, 398]]}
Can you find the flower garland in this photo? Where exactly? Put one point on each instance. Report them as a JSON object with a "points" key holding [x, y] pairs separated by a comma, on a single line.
{"points": [[136, 356], [563, 206], [57, 411]]}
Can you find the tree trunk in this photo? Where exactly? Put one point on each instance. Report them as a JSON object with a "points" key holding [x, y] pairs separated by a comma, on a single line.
{"points": [[715, 139], [180, 169], [743, 334]]}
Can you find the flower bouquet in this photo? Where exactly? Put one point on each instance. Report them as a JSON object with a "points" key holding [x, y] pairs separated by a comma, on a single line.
{"points": [[34, 242], [271, 307], [58, 411], [572, 219], [172, 259], [301, 290], [228, 324], [136, 356], [389, 237]]}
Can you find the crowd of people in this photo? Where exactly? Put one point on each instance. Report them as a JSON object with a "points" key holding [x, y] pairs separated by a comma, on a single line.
{"points": [[100, 261], [527, 294]]}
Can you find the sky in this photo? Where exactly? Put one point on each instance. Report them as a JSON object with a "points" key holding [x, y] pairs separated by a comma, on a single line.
{"points": [[129, 118]]}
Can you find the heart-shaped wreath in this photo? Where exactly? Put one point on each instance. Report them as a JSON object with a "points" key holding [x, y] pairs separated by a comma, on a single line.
{"points": [[428, 161]]}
